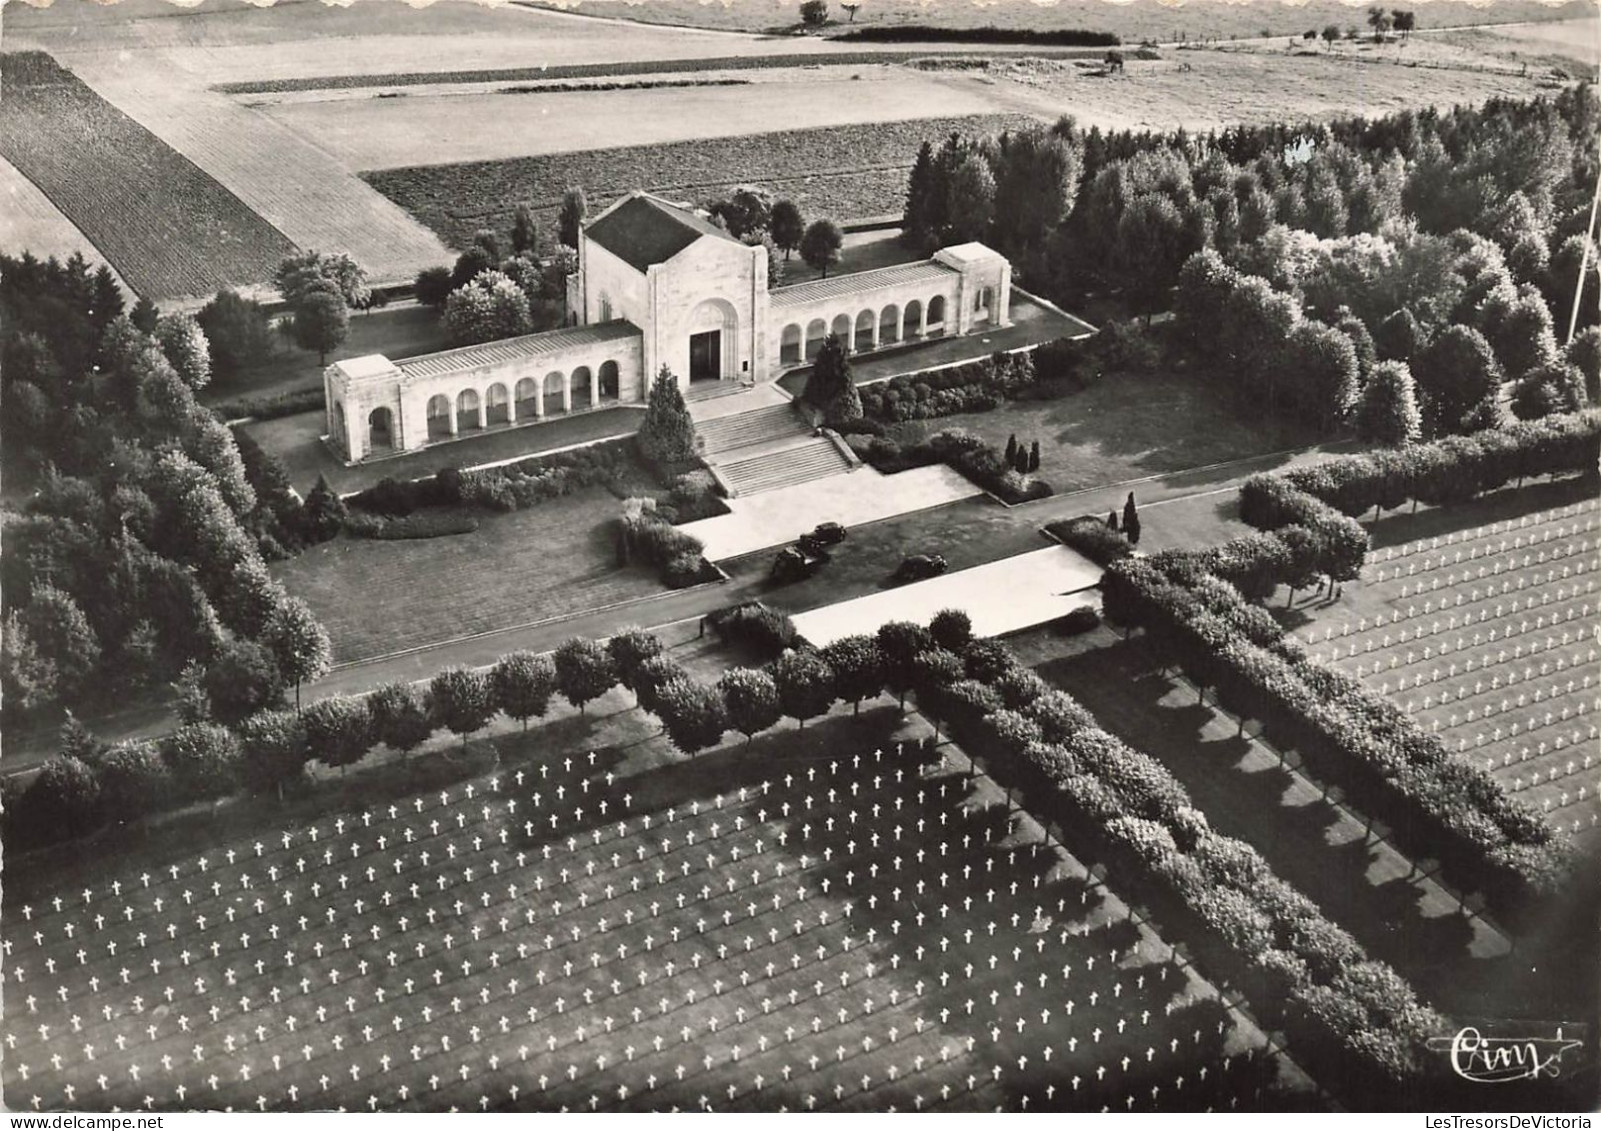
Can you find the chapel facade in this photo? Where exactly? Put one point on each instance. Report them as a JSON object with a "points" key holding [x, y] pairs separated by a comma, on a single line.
{"points": [[657, 285]]}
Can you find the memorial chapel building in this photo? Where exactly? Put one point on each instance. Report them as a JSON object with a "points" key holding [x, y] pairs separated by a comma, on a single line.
{"points": [[657, 285]]}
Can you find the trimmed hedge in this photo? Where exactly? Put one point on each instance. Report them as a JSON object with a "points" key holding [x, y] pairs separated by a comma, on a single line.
{"points": [[517, 485], [1452, 470], [1299, 968], [271, 407], [754, 625], [1439, 805], [962, 451], [644, 536], [420, 524], [1091, 537], [977, 386]]}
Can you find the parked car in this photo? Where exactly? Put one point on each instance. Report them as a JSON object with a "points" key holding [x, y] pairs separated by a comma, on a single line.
{"points": [[794, 563], [819, 540], [919, 567]]}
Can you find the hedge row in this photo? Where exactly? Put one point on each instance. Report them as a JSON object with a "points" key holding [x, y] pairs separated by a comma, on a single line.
{"points": [[1452, 470], [644, 536], [973, 457], [753, 625], [1092, 537], [1439, 805], [525, 483], [1343, 1009], [977, 386]]}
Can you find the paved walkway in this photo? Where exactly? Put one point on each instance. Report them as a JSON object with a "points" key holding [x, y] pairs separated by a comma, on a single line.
{"points": [[1005, 596], [772, 518]]}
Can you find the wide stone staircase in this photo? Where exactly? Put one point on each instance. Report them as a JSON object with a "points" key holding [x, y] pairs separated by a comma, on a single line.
{"points": [[766, 448]]}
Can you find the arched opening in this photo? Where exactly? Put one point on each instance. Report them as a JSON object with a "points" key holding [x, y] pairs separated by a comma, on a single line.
{"points": [[341, 437], [609, 380], [789, 345], [380, 430], [889, 325], [713, 329], [583, 387], [914, 319], [816, 331], [865, 324], [527, 395], [438, 416], [553, 385], [498, 408], [467, 410], [842, 327], [936, 316]]}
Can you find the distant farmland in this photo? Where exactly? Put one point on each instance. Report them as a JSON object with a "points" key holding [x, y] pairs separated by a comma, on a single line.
{"points": [[844, 172], [167, 227]]}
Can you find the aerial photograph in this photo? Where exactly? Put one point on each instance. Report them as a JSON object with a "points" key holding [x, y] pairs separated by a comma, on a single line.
{"points": [[856, 556]]}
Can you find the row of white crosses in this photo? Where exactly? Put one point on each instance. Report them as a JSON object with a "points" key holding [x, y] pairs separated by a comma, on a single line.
{"points": [[1584, 511], [203, 868], [1570, 569], [1571, 616], [1508, 553]]}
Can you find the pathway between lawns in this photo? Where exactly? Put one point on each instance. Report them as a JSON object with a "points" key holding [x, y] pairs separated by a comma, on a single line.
{"points": [[25, 750], [1462, 965]]}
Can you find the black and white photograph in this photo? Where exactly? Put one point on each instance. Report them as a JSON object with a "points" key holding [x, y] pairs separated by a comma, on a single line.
{"points": [[818, 556]]}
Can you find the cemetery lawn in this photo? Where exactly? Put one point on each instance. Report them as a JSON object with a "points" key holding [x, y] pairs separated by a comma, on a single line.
{"points": [[545, 562], [591, 920]]}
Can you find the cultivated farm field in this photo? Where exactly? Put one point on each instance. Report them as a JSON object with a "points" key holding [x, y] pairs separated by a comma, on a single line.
{"points": [[843, 922], [166, 226], [29, 222], [845, 172], [1486, 634]]}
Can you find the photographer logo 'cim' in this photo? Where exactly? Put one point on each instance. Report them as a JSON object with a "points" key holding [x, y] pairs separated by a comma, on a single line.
{"points": [[1503, 1060]]}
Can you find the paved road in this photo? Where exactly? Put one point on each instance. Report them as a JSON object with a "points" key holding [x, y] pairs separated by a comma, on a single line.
{"points": [[25, 751]]}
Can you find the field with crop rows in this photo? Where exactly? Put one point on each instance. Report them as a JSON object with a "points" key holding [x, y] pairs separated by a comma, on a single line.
{"points": [[1487, 636], [843, 172], [858, 930], [166, 226], [29, 222]]}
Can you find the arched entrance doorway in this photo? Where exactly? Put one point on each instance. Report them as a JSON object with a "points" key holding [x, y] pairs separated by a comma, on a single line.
{"points": [[713, 341], [380, 430]]}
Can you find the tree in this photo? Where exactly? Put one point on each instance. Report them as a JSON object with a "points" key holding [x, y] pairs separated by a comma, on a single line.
{"points": [[339, 730], [805, 684], [1551, 388], [433, 286], [193, 704], [1455, 375], [1380, 21], [851, 6], [488, 307], [814, 13], [692, 714], [750, 698], [241, 680], [1331, 35], [574, 208], [584, 671], [320, 322], [459, 700], [1388, 411], [524, 233], [324, 512], [858, 668], [629, 649], [145, 315], [951, 630], [74, 740], [299, 643], [1522, 336], [211, 444], [1131, 521], [899, 642], [203, 758], [238, 332], [820, 245], [667, 433], [470, 264], [308, 272], [273, 750], [186, 347], [522, 684], [1399, 337], [1033, 457], [651, 676], [400, 716], [1325, 383], [66, 794], [744, 211], [970, 207], [58, 628], [831, 388], [1584, 354], [1404, 22], [133, 780], [1011, 449], [786, 225]]}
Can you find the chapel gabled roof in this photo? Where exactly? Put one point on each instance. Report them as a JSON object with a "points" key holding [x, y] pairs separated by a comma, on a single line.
{"points": [[644, 230]]}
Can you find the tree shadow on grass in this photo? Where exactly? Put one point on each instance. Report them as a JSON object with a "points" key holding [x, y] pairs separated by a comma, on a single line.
{"points": [[1252, 804]]}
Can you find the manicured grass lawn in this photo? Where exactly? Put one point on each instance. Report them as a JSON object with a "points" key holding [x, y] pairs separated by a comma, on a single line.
{"points": [[297, 441], [1124, 427], [531, 565], [401, 331], [862, 251], [593, 921]]}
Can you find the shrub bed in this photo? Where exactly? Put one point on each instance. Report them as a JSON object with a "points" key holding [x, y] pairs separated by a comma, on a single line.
{"points": [[515, 486], [755, 626], [644, 536], [980, 462], [1091, 537], [977, 386], [270, 407], [1354, 1014], [419, 524], [1439, 806]]}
